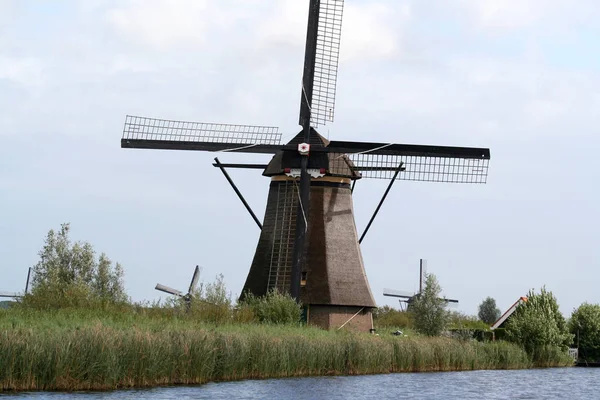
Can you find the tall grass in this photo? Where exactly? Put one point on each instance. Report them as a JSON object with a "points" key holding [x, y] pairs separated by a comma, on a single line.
{"points": [[84, 350]]}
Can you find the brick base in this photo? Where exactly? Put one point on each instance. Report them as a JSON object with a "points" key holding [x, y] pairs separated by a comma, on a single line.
{"points": [[332, 317]]}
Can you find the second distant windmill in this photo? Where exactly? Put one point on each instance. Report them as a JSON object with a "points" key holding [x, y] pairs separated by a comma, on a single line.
{"points": [[407, 298], [187, 297]]}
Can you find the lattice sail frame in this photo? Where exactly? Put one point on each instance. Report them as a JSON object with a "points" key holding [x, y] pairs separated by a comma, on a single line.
{"points": [[143, 128], [416, 168], [431, 166], [326, 61]]}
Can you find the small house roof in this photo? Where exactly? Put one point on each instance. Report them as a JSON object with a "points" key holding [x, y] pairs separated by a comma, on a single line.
{"points": [[508, 313]]}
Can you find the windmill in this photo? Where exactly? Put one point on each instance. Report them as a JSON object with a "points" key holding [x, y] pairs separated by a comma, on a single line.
{"points": [[13, 295], [187, 297], [308, 244], [409, 297]]}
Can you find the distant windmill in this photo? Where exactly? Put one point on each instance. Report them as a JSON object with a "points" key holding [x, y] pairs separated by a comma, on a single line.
{"points": [[188, 296], [408, 297], [16, 295]]}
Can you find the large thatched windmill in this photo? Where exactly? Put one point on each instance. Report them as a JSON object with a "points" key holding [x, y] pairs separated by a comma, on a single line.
{"points": [[309, 244]]}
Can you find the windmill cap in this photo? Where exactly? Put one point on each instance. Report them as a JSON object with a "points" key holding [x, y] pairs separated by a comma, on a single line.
{"points": [[333, 163]]}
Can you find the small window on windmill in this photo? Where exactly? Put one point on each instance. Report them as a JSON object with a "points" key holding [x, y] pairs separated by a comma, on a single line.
{"points": [[303, 279]]}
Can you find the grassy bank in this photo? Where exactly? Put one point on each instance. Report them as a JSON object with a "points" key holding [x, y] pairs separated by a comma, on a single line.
{"points": [[82, 350]]}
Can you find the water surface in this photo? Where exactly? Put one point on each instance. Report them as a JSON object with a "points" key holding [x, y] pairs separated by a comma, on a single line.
{"points": [[563, 383]]}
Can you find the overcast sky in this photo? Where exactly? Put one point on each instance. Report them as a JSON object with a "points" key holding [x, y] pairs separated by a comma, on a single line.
{"points": [[521, 77]]}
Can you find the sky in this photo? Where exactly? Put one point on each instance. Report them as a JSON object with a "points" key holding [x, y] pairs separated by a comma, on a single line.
{"points": [[521, 77]]}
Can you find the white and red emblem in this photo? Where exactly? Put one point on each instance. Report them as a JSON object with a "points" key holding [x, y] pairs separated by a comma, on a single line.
{"points": [[304, 149]]}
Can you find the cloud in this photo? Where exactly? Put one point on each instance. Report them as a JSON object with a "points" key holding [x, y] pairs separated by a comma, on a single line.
{"points": [[526, 97], [373, 30], [516, 14], [370, 30], [15, 67], [162, 23], [8, 10], [26, 71], [507, 13], [478, 97], [284, 25]]}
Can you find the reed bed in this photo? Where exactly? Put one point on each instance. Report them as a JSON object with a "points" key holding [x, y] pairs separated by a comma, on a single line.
{"points": [[96, 351]]}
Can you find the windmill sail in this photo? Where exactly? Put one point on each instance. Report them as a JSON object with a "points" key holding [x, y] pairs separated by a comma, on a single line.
{"points": [[397, 293], [195, 279], [152, 133], [168, 290], [420, 163], [422, 275], [9, 294], [326, 61]]}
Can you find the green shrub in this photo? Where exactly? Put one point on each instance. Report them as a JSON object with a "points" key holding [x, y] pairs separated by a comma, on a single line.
{"points": [[68, 275], [387, 316], [538, 325], [244, 314], [585, 327], [459, 321], [429, 310], [500, 334], [211, 302], [274, 307], [488, 312]]}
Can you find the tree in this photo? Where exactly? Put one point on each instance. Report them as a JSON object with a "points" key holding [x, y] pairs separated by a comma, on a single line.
{"points": [[107, 281], [585, 326], [69, 274], [538, 325], [488, 312], [429, 310]]}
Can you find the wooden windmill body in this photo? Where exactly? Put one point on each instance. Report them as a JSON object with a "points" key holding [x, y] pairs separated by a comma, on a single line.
{"points": [[333, 282], [309, 245]]}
